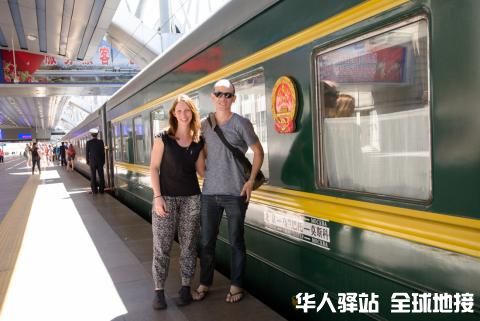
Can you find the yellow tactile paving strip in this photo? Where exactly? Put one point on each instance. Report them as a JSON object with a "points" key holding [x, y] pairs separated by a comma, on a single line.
{"points": [[12, 229]]}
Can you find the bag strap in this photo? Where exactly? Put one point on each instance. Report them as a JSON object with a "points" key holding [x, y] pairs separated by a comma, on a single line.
{"points": [[235, 151]]}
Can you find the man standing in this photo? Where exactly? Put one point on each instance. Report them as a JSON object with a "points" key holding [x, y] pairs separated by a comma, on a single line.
{"points": [[95, 155], [63, 159], [226, 188]]}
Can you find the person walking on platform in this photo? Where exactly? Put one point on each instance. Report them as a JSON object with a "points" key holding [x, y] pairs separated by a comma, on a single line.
{"points": [[95, 155], [177, 155], [62, 152], [1, 155], [71, 158], [28, 154], [35, 158], [225, 189]]}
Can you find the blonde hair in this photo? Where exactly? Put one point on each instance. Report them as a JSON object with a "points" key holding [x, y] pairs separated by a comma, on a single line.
{"points": [[194, 123]]}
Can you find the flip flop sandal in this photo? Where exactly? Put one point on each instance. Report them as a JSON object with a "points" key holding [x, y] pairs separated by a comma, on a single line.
{"points": [[239, 295], [200, 295]]}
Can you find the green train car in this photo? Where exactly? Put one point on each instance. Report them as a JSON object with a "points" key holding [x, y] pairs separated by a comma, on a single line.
{"points": [[367, 112]]}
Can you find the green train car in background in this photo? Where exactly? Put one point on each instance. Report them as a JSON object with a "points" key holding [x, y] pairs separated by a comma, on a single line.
{"points": [[373, 211]]}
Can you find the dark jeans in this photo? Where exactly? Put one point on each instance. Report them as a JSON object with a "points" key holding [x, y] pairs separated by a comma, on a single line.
{"points": [[36, 161], [211, 211], [63, 160], [94, 168]]}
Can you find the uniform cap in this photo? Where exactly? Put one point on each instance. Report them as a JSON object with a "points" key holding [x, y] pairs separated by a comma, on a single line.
{"points": [[93, 131]]}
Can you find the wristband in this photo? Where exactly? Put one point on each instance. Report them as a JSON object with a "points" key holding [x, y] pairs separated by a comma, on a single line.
{"points": [[157, 196]]}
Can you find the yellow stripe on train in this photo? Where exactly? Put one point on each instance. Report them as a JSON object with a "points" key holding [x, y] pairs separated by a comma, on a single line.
{"points": [[448, 232]]}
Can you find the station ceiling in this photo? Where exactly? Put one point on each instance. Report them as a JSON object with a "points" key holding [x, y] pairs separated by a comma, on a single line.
{"points": [[70, 29], [60, 32]]}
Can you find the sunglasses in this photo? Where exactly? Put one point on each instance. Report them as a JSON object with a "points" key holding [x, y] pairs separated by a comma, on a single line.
{"points": [[220, 94]]}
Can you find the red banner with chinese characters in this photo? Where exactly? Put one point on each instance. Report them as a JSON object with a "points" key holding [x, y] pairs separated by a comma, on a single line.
{"points": [[348, 65], [27, 63]]}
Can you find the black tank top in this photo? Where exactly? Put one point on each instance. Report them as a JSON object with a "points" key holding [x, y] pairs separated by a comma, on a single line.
{"points": [[178, 176], [35, 153]]}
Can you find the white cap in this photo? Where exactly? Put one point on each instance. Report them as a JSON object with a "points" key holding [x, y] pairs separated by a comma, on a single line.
{"points": [[93, 131]]}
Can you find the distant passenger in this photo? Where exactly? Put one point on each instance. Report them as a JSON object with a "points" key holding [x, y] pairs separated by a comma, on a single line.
{"points": [[57, 153], [35, 158], [176, 157], [28, 154], [71, 158], [62, 151], [345, 106], [330, 95], [1, 155], [95, 155], [46, 154], [226, 189], [51, 153]]}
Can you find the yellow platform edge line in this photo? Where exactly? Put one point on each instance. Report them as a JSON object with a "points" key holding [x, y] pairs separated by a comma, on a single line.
{"points": [[339, 21], [12, 229]]}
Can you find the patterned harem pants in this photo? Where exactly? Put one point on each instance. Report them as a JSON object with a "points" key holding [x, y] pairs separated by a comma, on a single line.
{"points": [[184, 217]]}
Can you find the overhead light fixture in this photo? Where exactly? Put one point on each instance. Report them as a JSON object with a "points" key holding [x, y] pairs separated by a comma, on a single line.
{"points": [[31, 37]]}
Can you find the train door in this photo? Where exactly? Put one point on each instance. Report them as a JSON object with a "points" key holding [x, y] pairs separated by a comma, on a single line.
{"points": [[109, 156], [107, 134]]}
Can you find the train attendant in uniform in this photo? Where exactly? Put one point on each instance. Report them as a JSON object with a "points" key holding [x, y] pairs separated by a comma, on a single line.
{"points": [[95, 155], [177, 156], [226, 189]]}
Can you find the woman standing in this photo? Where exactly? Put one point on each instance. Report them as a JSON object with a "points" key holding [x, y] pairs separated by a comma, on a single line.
{"points": [[71, 158], [35, 156], [177, 156]]}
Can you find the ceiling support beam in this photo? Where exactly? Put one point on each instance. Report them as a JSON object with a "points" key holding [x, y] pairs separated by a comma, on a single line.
{"points": [[41, 8], [93, 19], [17, 21]]}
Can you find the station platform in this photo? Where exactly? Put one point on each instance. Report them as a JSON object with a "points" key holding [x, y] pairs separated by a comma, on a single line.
{"points": [[70, 255]]}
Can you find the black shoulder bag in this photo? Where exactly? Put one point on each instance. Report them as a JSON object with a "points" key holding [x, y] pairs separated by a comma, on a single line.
{"points": [[247, 166]]}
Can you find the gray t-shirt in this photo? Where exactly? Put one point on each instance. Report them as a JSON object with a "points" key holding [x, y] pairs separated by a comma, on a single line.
{"points": [[224, 174]]}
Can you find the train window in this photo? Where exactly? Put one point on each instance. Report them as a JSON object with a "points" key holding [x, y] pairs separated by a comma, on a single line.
{"points": [[251, 103], [159, 120], [127, 141], [140, 147], [374, 120], [117, 141], [196, 99]]}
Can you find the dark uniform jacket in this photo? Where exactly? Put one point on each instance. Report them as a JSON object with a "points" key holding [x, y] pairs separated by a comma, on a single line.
{"points": [[95, 152]]}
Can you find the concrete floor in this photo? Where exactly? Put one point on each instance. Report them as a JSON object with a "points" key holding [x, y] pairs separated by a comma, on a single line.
{"points": [[88, 257]]}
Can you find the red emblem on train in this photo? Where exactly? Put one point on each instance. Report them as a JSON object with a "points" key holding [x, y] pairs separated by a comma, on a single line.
{"points": [[284, 105]]}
